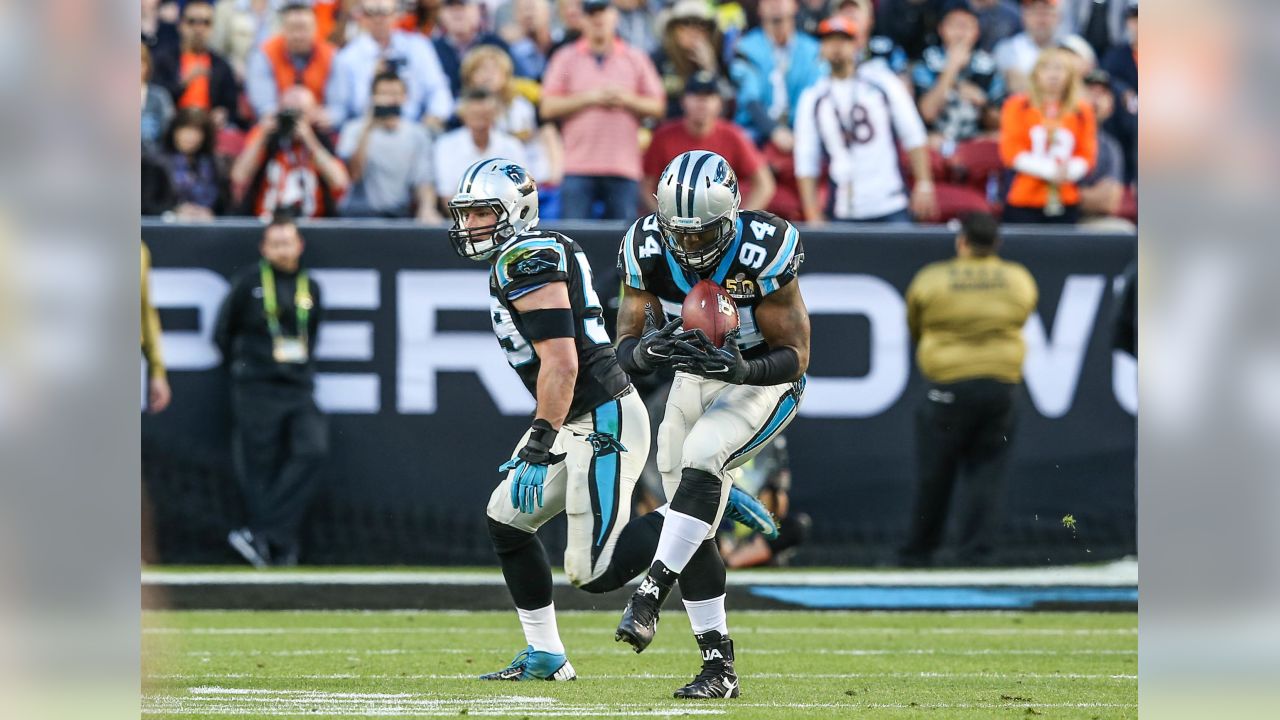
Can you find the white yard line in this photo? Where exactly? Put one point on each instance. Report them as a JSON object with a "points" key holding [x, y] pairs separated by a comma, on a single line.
{"points": [[594, 631], [653, 676], [652, 651], [1122, 573]]}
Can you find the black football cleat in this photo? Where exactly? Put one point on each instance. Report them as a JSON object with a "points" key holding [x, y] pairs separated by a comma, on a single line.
{"points": [[640, 617], [717, 678]]}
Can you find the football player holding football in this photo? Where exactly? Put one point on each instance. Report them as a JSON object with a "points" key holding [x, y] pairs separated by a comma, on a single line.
{"points": [[726, 402], [590, 435]]}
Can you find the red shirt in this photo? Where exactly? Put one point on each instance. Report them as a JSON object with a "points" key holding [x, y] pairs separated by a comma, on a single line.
{"points": [[725, 139]]}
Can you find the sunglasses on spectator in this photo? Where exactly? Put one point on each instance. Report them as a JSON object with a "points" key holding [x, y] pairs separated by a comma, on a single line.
{"points": [[379, 11], [198, 21]]}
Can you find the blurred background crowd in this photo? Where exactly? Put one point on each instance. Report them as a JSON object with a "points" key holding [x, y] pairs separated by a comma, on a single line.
{"points": [[857, 110]]}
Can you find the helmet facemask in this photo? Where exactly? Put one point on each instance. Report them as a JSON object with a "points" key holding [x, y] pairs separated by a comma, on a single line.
{"points": [[697, 246], [478, 243]]}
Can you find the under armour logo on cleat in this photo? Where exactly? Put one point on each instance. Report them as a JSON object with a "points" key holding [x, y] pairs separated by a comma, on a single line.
{"points": [[649, 587], [712, 654]]}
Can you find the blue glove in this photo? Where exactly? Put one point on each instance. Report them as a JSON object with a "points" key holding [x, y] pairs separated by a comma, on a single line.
{"points": [[530, 466]]}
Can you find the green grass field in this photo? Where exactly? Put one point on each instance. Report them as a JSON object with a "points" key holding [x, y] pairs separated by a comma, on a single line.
{"points": [[791, 664]]}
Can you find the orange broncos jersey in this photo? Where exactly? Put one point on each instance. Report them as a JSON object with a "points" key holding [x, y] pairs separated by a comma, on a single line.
{"points": [[1025, 129]]}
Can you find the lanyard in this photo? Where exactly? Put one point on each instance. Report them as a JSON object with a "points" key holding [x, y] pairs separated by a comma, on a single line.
{"points": [[301, 300]]}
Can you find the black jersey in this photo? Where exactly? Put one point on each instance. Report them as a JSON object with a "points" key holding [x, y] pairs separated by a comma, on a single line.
{"points": [[528, 262], [765, 255]]}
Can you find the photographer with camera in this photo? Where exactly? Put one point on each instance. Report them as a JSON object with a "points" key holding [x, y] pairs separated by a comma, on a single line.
{"points": [[287, 165], [389, 159]]}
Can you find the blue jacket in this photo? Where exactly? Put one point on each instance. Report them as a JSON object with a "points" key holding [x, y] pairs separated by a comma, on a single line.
{"points": [[750, 72]]}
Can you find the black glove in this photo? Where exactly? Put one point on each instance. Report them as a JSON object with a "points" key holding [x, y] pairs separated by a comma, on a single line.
{"points": [[656, 344], [724, 363]]}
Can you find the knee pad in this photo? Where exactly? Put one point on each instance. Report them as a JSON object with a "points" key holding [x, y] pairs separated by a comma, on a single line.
{"points": [[698, 495], [507, 539]]}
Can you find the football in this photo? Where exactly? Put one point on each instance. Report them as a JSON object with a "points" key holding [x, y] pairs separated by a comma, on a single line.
{"points": [[709, 308]]}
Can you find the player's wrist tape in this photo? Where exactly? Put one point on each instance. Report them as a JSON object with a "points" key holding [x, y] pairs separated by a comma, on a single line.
{"points": [[548, 323], [537, 449], [627, 357], [778, 366]]}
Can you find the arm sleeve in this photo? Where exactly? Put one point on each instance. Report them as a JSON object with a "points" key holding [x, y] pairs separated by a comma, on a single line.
{"points": [[314, 318], [650, 84], [224, 329], [808, 148], [348, 139], [423, 167], [907, 124], [1014, 138], [260, 84], [151, 332], [913, 308], [554, 80]]}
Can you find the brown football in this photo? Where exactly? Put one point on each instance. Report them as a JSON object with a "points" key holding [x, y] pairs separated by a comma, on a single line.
{"points": [[709, 308]]}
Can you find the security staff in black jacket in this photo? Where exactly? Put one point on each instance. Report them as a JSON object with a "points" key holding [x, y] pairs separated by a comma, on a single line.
{"points": [[267, 334]]}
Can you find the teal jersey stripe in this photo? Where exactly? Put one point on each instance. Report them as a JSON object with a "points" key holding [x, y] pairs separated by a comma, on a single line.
{"points": [[608, 420], [635, 278]]}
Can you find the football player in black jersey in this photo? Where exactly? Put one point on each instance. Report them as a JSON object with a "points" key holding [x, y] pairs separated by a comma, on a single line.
{"points": [[590, 437], [726, 402]]}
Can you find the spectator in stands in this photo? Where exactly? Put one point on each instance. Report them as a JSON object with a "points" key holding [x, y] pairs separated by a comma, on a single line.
{"points": [[422, 18], [240, 27], [159, 29], [286, 165], [998, 20], [195, 76], [158, 392], [1083, 56], [267, 330], [600, 88], [389, 159], [857, 122], [690, 44], [488, 68], [909, 22], [459, 32], [384, 48], [1016, 56], [879, 52], [157, 107], [568, 24], [1100, 22], [636, 24], [702, 128], [1047, 169], [767, 476], [477, 139], [297, 56], [529, 36], [965, 316], [1102, 191], [198, 176], [1121, 62], [957, 83], [774, 64]]}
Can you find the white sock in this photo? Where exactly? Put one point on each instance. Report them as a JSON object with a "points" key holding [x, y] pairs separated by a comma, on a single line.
{"points": [[707, 615], [540, 629], [680, 538]]}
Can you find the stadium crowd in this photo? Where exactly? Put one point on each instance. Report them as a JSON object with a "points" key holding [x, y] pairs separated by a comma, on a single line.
{"points": [[862, 110]]}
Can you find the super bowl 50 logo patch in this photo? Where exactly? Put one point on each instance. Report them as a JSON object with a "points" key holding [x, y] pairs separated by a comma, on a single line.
{"points": [[740, 288]]}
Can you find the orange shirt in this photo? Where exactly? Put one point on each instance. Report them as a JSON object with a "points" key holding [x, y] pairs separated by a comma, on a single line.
{"points": [[326, 17], [1025, 129], [315, 76], [196, 93]]}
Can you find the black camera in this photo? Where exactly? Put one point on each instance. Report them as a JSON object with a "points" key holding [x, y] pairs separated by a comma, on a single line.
{"points": [[287, 121]]}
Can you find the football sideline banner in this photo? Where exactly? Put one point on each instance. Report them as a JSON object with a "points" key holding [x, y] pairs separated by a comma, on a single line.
{"points": [[423, 407]]}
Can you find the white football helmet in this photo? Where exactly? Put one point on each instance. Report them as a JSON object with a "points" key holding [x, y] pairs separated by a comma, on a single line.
{"points": [[698, 202], [508, 189]]}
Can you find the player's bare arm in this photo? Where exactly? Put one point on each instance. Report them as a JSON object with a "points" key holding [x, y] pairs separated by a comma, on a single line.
{"points": [[783, 320], [559, 355], [631, 311]]}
